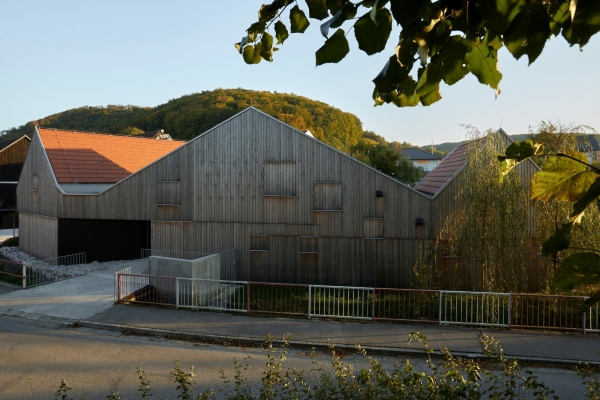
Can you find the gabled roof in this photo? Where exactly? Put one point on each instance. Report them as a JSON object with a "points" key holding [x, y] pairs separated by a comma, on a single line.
{"points": [[78, 157], [443, 173], [414, 153], [158, 135], [5, 143], [587, 143]]}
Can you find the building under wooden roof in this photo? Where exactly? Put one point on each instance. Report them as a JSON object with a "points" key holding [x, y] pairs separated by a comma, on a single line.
{"points": [[12, 156], [295, 209]]}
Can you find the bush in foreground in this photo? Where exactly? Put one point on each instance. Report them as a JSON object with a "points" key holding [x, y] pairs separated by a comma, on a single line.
{"points": [[449, 377]]}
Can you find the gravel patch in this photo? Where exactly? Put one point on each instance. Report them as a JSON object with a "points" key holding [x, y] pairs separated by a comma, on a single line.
{"points": [[54, 272]]}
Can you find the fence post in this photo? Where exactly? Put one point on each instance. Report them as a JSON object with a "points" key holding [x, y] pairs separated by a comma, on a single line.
{"points": [[24, 277], [309, 300], [584, 316], [118, 288], [509, 310], [176, 292], [248, 297], [440, 308], [373, 307]]}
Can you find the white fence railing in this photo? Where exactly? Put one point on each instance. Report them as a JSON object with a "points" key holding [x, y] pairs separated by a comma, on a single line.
{"points": [[482, 309], [339, 302], [211, 294], [474, 308], [71, 259]]}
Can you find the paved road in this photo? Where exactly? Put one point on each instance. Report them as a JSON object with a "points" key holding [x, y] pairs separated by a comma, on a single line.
{"points": [[96, 363]]}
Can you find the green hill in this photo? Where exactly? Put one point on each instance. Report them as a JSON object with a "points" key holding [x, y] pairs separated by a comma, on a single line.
{"points": [[190, 115]]}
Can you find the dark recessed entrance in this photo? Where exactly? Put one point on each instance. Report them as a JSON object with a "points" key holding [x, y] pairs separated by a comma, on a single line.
{"points": [[103, 240]]}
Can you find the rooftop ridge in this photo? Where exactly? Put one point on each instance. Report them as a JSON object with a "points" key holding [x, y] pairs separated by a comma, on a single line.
{"points": [[102, 133]]}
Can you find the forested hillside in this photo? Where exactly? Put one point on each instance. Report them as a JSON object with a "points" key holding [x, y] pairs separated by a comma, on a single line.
{"points": [[191, 115]]}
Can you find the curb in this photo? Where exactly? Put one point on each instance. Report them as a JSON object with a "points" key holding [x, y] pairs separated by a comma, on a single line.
{"points": [[242, 341]]}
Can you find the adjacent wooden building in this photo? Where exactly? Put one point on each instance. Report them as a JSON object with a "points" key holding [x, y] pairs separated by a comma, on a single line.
{"points": [[12, 156], [295, 209]]}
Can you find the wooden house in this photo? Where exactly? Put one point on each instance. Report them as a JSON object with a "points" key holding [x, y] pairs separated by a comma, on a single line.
{"points": [[12, 156], [294, 208]]}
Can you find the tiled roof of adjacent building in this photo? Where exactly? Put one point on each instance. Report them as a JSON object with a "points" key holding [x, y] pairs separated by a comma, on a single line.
{"points": [[587, 143], [437, 178], [414, 153], [78, 157]]}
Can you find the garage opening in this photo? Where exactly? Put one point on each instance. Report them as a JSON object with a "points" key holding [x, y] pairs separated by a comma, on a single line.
{"points": [[103, 240]]}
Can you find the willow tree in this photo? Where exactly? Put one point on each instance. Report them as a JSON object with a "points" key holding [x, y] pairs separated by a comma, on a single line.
{"points": [[484, 242]]}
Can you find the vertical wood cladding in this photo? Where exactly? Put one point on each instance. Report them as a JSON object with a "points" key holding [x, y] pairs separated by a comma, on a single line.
{"points": [[279, 178], [38, 235], [328, 196], [253, 175]]}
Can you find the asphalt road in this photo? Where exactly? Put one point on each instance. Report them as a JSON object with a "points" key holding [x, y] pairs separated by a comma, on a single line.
{"points": [[35, 358]]}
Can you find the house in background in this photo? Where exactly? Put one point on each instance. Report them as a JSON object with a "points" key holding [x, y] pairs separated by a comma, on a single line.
{"points": [[589, 145], [421, 158], [158, 135], [12, 156]]}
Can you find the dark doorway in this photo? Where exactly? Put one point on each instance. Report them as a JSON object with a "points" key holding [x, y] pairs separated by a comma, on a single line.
{"points": [[101, 239]]}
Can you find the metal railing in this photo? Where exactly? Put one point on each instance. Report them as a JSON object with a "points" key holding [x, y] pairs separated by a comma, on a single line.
{"points": [[406, 305], [275, 298], [211, 294], [12, 273], [547, 312], [344, 302], [482, 309], [475, 308], [71, 259], [147, 289]]}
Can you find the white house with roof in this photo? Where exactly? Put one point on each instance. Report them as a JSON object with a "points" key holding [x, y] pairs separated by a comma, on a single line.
{"points": [[421, 158]]}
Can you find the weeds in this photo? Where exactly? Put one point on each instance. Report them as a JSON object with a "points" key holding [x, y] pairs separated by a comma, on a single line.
{"points": [[446, 377]]}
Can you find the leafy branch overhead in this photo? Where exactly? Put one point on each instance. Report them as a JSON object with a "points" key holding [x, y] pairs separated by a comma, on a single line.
{"points": [[439, 40], [564, 176]]}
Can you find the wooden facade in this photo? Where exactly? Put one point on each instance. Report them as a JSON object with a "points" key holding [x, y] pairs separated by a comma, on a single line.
{"points": [[295, 209], [12, 156]]}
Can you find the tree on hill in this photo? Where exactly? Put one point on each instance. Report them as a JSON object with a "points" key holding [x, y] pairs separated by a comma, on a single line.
{"points": [[439, 40], [191, 115]]}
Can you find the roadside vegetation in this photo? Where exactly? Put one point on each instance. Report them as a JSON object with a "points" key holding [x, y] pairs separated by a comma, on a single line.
{"points": [[445, 377]]}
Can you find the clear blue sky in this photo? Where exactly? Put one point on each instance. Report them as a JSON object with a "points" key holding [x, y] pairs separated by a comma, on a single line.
{"points": [[58, 55]]}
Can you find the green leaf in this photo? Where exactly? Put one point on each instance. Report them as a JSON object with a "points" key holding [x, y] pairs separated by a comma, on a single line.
{"points": [[378, 5], [391, 75], [562, 178], [373, 36], [266, 50], [451, 59], [406, 93], [482, 61], [438, 37], [590, 195], [251, 54], [499, 13], [256, 28], [586, 23], [432, 97], [348, 11], [407, 12], [407, 48], [559, 241], [577, 270], [281, 32], [517, 152], [240, 45], [317, 9], [298, 20], [334, 5], [267, 12], [559, 17], [528, 32], [334, 50]]}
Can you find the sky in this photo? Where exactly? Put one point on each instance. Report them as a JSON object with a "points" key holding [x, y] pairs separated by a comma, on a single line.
{"points": [[58, 55]]}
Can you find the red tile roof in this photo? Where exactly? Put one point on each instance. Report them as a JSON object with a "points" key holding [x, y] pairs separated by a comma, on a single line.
{"points": [[437, 178], [78, 157]]}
